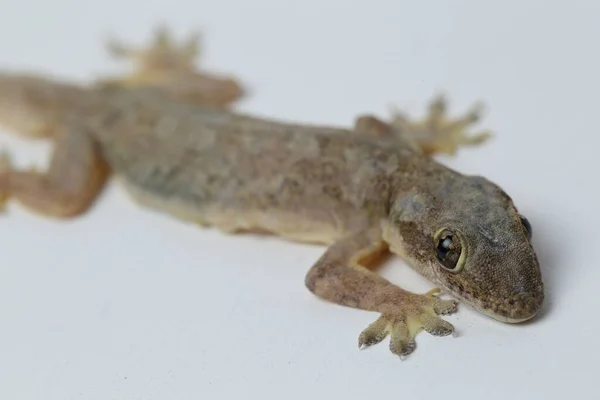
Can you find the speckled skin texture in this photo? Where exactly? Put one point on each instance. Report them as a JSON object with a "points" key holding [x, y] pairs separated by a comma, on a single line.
{"points": [[359, 191]]}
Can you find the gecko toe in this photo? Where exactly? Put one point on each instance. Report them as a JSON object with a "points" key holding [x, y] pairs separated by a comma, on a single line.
{"points": [[437, 108], [402, 341], [437, 326], [406, 320], [401, 347], [374, 333], [445, 307], [474, 113]]}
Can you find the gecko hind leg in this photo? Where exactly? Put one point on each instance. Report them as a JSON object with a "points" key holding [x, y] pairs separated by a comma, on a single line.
{"points": [[171, 67], [75, 177], [437, 133]]}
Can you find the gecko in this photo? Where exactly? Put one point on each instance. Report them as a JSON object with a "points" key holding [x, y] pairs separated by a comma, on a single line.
{"points": [[169, 134]]}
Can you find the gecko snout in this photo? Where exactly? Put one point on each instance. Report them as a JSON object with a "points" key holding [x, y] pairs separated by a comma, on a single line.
{"points": [[520, 307]]}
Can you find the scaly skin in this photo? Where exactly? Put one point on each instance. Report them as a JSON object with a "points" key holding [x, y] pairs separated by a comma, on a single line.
{"points": [[360, 191]]}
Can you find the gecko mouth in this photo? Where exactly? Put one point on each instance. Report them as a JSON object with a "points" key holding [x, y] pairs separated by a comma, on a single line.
{"points": [[516, 309], [512, 309]]}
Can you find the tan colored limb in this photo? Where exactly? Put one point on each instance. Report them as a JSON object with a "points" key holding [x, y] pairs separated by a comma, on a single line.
{"points": [[340, 276], [75, 177], [436, 133], [373, 127], [171, 67]]}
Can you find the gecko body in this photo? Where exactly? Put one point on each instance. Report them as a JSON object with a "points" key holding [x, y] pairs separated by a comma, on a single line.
{"points": [[360, 191]]}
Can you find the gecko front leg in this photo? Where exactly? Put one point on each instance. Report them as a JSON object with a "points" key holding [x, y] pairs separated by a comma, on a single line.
{"points": [[340, 276]]}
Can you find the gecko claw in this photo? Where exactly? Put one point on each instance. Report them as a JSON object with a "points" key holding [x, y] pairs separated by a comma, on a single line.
{"points": [[402, 341], [374, 334]]}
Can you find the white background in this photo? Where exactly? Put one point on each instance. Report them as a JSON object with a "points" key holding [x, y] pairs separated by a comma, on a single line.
{"points": [[124, 303]]}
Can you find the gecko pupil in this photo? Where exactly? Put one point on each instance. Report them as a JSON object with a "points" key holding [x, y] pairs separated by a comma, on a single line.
{"points": [[448, 251], [444, 247]]}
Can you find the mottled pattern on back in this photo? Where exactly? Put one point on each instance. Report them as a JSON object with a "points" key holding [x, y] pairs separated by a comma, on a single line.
{"points": [[206, 156]]}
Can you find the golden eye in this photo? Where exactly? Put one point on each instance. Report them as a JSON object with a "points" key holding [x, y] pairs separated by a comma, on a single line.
{"points": [[449, 250]]}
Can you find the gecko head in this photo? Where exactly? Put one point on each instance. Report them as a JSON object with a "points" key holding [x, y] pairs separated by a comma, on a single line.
{"points": [[466, 235]]}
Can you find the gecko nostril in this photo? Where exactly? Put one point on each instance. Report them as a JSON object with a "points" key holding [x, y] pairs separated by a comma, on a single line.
{"points": [[524, 305]]}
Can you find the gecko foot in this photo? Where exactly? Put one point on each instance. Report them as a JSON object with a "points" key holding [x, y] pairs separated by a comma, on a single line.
{"points": [[406, 319], [171, 68], [437, 133], [162, 54]]}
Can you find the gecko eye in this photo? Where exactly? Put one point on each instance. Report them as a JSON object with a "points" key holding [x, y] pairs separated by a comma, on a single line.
{"points": [[527, 226], [448, 250]]}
